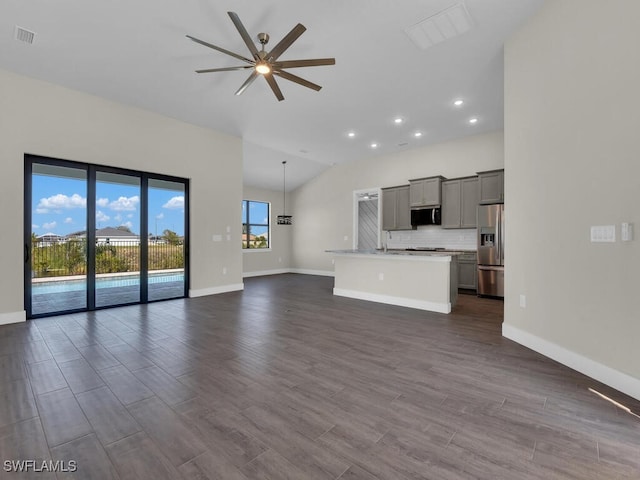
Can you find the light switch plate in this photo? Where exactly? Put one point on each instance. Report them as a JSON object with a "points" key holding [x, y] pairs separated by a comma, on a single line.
{"points": [[626, 232], [603, 233]]}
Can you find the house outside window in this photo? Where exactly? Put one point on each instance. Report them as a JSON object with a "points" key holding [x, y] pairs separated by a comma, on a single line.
{"points": [[255, 224]]}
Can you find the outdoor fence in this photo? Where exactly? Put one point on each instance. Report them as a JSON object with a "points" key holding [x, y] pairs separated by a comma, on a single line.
{"points": [[69, 257]]}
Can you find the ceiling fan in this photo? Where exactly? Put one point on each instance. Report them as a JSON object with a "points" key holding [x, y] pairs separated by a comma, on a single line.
{"points": [[266, 63]]}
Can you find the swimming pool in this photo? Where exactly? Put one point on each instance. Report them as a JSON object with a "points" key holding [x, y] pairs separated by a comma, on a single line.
{"points": [[104, 282]]}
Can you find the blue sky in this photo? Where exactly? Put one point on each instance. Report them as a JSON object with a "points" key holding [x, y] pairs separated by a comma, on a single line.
{"points": [[60, 206]]}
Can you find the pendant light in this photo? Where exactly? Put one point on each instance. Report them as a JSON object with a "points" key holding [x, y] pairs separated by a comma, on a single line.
{"points": [[284, 219]]}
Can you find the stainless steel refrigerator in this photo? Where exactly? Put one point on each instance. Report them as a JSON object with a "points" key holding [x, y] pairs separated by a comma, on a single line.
{"points": [[491, 250]]}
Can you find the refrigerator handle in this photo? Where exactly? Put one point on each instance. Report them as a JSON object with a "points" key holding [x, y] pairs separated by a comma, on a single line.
{"points": [[497, 240], [501, 237], [433, 216]]}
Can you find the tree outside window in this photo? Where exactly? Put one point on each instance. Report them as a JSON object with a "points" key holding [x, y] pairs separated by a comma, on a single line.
{"points": [[255, 224]]}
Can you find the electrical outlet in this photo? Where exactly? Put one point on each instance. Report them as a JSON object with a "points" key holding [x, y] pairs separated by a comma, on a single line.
{"points": [[224, 270], [523, 301], [381, 276]]}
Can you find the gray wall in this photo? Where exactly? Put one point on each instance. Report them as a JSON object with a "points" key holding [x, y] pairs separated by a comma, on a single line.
{"points": [[44, 119], [572, 160]]}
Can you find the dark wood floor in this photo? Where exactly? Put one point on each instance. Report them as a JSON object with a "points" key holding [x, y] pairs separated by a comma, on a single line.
{"points": [[286, 381]]}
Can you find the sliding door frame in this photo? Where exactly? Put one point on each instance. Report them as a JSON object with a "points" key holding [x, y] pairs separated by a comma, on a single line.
{"points": [[91, 171]]}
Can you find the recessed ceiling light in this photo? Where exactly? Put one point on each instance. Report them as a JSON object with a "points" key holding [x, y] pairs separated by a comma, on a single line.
{"points": [[374, 145], [351, 134], [459, 102], [398, 120], [417, 134], [473, 120]]}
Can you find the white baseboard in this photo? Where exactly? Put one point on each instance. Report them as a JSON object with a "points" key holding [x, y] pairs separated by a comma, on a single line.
{"points": [[262, 273], [607, 375], [13, 317], [216, 290], [304, 271], [390, 300]]}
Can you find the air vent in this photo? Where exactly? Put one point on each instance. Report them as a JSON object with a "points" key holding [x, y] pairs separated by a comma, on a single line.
{"points": [[24, 35], [442, 26]]}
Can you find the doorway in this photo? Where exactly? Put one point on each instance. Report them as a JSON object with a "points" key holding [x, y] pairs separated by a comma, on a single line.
{"points": [[366, 208], [92, 239]]}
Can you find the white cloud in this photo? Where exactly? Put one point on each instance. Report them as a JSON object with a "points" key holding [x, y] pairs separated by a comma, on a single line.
{"points": [[68, 220], [59, 202], [101, 217], [130, 215], [49, 226], [129, 225], [34, 226], [118, 218], [102, 202], [125, 203], [160, 216], [175, 203]]}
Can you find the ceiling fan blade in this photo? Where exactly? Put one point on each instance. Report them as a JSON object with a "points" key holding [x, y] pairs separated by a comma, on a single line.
{"points": [[220, 49], [286, 42], [296, 79], [244, 34], [247, 82], [305, 63], [274, 86], [225, 69]]}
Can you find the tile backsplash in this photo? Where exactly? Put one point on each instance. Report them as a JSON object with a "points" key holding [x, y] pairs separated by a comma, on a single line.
{"points": [[432, 236]]}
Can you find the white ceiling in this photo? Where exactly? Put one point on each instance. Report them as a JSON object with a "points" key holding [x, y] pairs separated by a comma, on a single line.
{"points": [[136, 52]]}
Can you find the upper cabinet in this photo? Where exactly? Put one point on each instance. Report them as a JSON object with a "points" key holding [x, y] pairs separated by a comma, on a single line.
{"points": [[396, 214], [491, 186], [425, 192], [460, 202]]}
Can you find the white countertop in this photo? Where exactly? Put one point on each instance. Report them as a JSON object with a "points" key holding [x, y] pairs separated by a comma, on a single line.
{"points": [[402, 251]]}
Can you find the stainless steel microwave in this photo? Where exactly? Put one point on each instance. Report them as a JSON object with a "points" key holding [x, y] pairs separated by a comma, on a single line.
{"points": [[426, 216]]}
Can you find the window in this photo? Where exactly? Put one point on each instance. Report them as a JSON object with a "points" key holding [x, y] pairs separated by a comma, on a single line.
{"points": [[255, 224]]}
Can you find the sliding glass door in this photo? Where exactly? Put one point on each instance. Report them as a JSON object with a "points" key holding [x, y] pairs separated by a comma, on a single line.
{"points": [[167, 227], [117, 239], [97, 237], [56, 251]]}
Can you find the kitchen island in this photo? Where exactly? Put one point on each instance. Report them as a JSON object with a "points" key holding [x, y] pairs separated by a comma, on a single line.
{"points": [[414, 279]]}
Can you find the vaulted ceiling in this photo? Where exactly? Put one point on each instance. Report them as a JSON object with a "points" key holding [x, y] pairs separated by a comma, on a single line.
{"points": [[136, 52]]}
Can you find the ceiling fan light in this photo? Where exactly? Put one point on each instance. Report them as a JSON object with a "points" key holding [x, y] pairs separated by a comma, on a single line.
{"points": [[263, 68]]}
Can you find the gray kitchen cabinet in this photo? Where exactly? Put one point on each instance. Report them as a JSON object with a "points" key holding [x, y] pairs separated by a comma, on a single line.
{"points": [[396, 214], [468, 271], [425, 192], [451, 203], [491, 186], [459, 202]]}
